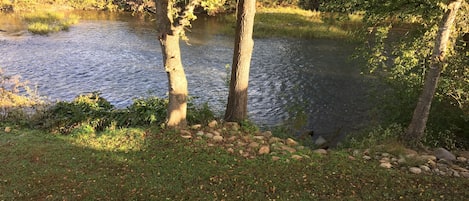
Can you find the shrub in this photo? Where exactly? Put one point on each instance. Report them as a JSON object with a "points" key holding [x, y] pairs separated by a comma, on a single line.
{"points": [[143, 111], [87, 109], [199, 114], [97, 113]]}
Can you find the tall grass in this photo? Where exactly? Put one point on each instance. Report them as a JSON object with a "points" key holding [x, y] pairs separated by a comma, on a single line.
{"points": [[47, 22]]}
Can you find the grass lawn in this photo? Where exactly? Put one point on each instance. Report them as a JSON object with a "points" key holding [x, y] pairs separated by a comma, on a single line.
{"points": [[147, 164]]}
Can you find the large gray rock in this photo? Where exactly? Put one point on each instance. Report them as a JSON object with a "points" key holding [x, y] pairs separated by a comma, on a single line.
{"points": [[320, 141], [442, 153]]}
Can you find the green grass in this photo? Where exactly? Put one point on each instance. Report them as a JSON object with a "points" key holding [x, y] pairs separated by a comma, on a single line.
{"points": [[47, 22], [297, 23], [155, 165]]}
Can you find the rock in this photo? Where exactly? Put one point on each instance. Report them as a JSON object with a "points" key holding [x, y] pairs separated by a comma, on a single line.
{"points": [[384, 160], [464, 154], [442, 153], [287, 148], [320, 151], [385, 154], [415, 170], [200, 133], [184, 132], [7, 129], [385, 165], [241, 144], [320, 141], [367, 157], [296, 157], [356, 152], [186, 136], [259, 137], [300, 147], [464, 174], [217, 138], [232, 125], [274, 140], [196, 126], [212, 124], [275, 158], [291, 142], [246, 138], [230, 150], [425, 168], [231, 139], [459, 169], [401, 160], [267, 134], [254, 144], [351, 158], [431, 163], [427, 157], [443, 161], [264, 150], [209, 135], [216, 133], [461, 159]]}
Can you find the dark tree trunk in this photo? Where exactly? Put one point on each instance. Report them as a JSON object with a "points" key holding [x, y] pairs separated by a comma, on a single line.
{"points": [[236, 109], [416, 129]]}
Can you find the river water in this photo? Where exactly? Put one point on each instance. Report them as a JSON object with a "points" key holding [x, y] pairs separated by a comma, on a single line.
{"points": [[119, 55]]}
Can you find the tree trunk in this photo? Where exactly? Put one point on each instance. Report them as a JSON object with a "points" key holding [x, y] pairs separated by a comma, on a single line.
{"points": [[416, 130], [236, 109], [177, 82]]}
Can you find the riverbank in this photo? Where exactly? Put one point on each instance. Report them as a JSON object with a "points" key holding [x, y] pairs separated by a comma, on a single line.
{"points": [[283, 22], [153, 164]]}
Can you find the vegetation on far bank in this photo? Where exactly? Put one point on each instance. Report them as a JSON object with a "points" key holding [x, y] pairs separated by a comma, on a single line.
{"points": [[293, 22], [47, 22]]}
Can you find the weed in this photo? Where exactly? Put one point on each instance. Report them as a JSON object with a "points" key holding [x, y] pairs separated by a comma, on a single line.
{"points": [[374, 136], [47, 22]]}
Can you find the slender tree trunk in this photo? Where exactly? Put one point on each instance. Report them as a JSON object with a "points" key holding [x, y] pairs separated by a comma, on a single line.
{"points": [[416, 129], [177, 82], [236, 109]]}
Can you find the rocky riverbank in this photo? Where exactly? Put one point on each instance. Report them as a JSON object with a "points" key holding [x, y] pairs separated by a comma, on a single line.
{"points": [[230, 137]]}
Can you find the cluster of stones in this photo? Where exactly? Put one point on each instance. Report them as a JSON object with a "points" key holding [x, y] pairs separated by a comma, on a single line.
{"points": [[440, 162], [230, 137]]}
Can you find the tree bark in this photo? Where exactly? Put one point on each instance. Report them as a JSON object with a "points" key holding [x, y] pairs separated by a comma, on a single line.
{"points": [[177, 83], [416, 129], [236, 109]]}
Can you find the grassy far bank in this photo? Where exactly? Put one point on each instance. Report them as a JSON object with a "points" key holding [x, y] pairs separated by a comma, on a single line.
{"points": [[292, 22], [40, 166]]}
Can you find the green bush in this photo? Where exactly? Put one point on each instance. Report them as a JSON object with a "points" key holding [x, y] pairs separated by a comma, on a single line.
{"points": [[87, 109], [144, 111], [199, 114], [91, 110]]}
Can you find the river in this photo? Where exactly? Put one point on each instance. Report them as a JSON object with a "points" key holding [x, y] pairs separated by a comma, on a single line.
{"points": [[119, 56]]}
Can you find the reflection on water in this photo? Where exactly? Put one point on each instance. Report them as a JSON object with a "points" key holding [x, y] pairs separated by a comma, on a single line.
{"points": [[119, 55]]}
